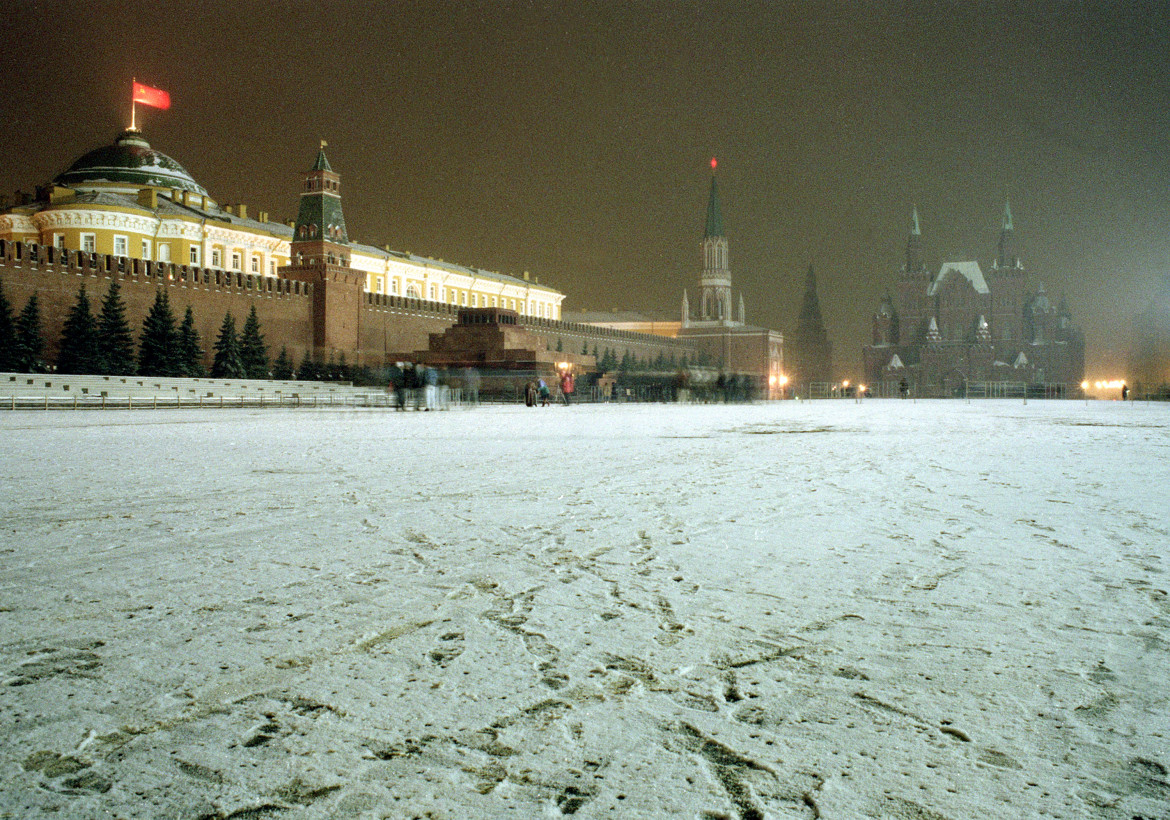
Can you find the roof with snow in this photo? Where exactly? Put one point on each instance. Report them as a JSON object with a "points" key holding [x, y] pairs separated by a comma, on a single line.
{"points": [[968, 270]]}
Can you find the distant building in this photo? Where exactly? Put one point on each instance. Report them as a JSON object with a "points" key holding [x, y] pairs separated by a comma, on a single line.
{"points": [[728, 341], [808, 354], [1149, 358], [132, 201], [722, 338], [946, 330], [126, 211]]}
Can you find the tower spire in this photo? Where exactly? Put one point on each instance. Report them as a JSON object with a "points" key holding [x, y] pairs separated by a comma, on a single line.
{"points": [[715, 280]]}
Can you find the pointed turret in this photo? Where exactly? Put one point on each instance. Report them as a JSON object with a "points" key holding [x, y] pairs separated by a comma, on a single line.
{"points": [[808, 353], [1006, 252], [915, 261], [320, 257], [319, 217], [715, 281], [714, 214], [686, 309]]}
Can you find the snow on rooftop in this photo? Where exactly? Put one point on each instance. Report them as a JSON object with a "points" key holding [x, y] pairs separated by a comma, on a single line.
{"points": [[884, 609], [968, 270]]}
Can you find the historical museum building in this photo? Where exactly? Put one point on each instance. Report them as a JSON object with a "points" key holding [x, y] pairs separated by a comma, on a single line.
{"points": [[945, 330], [130, 212]]}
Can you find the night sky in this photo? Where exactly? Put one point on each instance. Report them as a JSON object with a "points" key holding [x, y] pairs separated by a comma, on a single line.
{"points": [[573, 139]]}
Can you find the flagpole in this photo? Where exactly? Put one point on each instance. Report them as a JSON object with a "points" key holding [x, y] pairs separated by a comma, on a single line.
{"points": [[133, 108]]}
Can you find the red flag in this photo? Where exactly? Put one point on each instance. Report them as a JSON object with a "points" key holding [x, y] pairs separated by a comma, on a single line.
{"points": [[151, 96]]}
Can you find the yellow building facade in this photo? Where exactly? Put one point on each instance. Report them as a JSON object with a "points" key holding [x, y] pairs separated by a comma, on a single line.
{"points": [[130, 200]]}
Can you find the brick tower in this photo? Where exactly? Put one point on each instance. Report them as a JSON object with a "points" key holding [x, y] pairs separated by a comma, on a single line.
{"points": [[319, 253]]}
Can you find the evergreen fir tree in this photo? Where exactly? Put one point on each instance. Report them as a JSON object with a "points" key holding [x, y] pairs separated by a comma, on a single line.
{"points": [[253, 351], [159, 343], [329, 373], [560, 345], [343, 372], [585, 349], [7, 335], [30, 345], [79, 353], [307, 372], [115, 343], [227, 363], [190, 351], [282, 368], [595, 353]]}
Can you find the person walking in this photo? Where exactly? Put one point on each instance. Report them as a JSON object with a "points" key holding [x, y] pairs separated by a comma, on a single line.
{"points": [[566, 386], [543, 391], [530, 394], [430, 379]]}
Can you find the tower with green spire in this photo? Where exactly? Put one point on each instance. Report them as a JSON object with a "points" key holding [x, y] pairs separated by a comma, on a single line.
{"points": [[715, 281], [319, 253]]}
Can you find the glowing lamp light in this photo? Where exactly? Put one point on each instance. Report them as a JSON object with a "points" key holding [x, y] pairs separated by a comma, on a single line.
{"points": [[1085, 385], [845, 383], [714, 163], [861, 388], [783, 380]]}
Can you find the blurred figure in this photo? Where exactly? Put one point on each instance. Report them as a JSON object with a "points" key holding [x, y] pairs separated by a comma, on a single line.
{"points": [[567, 386], [471, 381]]}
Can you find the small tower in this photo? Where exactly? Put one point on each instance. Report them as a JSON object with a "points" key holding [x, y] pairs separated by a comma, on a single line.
{"points": [[715, 282], [320, 256], [913, 286], [1005, 256]]}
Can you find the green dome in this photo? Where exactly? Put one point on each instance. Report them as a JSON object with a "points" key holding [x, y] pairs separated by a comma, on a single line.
{"points": [[129, 161]]}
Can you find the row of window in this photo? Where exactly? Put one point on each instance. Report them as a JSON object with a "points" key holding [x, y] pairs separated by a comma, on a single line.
{"points": [[122, 248], [455, 296]]}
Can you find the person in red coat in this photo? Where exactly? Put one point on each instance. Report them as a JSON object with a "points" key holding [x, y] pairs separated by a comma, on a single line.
{"points": [[566, 385]]}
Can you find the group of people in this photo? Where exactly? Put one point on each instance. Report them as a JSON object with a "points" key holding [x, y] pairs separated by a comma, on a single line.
{"points": [[537, 390], [426, 388]]}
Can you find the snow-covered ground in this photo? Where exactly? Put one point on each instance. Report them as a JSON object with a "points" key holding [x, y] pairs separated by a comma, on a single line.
{"points": [[836, 610]]}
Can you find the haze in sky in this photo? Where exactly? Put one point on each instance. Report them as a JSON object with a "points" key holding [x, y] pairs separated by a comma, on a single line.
{"points": [[574, 140]]}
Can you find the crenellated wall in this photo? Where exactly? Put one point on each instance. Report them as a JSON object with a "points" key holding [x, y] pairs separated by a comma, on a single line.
{"points": [[389, 327], [284, 307]]}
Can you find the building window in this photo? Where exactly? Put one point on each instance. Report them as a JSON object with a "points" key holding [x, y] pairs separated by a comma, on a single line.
{"points": [[381, 282], [255, 264], [432, 292], [463, 298], [394, 285], [236, 261], [216, 259], [164, 252], [88, 242], [194, 256], [146, 249], [59, 241], [493, 301], [272, 267], [121, 246], [475, 300]]}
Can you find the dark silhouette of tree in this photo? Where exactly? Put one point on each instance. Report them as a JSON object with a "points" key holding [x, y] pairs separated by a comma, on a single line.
{"points": [[158, 346], [282, 368], [7, 335], [30, 345], [227, 363], [307, 372], [115, 342], [190, 351], [79, 350], [253, 351]]}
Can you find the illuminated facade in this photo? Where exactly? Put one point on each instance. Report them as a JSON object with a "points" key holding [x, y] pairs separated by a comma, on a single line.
{"points": [[129, 200], [962, 325]]}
